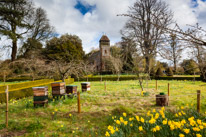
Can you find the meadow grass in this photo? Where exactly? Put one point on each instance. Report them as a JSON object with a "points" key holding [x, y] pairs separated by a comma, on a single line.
{"points": [[60, 117]]}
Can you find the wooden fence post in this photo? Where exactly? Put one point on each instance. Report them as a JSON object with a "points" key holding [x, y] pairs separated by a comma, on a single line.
{"points": [[78, 102], [198, 101], [168, 93], [7, 105], [156, 85]]}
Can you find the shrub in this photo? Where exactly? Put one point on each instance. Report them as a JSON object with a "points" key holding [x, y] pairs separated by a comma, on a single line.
{"points": [[169, 72], [152, 73], [159, 72]]}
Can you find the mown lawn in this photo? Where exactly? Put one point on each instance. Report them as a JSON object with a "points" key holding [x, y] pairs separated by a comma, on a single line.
{"points": [[60, 117]]}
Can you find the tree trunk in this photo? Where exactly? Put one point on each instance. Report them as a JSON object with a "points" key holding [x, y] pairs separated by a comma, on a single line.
{"points": [[14, 50], [147, 67], [175, 66]]}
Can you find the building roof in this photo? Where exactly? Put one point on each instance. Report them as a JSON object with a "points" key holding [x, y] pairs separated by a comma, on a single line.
{"points": [[104, 38]]}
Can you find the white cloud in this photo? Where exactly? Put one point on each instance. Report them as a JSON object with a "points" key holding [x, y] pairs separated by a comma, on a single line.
{"points": [[89, 27], [183, 12]]}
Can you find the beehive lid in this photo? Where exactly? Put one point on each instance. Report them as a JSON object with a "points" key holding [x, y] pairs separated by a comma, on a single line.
{"points": [[39, 88], [85, 83], [57, 84]]}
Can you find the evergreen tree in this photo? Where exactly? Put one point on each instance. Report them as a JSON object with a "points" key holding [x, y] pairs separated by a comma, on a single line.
{"points": [[15, 15], [67, 48]]}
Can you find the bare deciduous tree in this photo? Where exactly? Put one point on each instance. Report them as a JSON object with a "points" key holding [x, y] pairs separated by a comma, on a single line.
{"points": [[146, 24], [41, 29], [172, 50], [74, 67], [115, 65]]}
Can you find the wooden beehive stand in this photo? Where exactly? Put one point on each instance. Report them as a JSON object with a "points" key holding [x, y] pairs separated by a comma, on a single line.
{"points": [[85, 86], [58, 89], [71, 90], [40, 95]]}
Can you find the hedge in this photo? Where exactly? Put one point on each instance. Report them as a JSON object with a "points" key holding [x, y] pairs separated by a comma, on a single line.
{"points": [[26, 89], [114, 78]]}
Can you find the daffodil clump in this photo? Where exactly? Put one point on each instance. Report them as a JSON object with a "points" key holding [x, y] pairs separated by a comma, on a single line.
{"points": [[160, 123]]}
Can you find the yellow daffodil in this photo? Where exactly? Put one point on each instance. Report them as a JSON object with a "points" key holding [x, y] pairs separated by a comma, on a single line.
{"points": [[164, 122], [172, 127], [137, 118], [148, 113], [186, 130], [131, 125], [110, 127], [142, 120], [118, 122], [198, 135], [142, 93], [125, 122], [124, 114], [153, 110], [152, 121], [195, 129], [199, 121], [156, 115], [112, 131], [176, 115], [121, 119], [107, 134], [183, 122], [201, 127], [130, 119], [157, 128], [117, 129], [140, 128], [154, 130], [181, 135]]}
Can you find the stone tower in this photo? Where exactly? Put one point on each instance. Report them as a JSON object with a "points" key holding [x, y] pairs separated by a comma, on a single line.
{"points": [[104, 46]]}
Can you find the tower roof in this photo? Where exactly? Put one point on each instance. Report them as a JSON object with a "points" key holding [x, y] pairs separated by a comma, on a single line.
{"points": [[104, 38]]}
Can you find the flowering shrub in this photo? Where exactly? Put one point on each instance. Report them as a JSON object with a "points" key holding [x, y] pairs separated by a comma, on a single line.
{"points": [[182, 123]]}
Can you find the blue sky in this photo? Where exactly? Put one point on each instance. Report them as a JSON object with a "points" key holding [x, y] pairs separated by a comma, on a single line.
{"points": [[84, 8]]}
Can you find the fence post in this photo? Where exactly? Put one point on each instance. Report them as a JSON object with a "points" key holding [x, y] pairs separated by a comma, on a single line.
{"points": [[198, 101], [156, 85], [168, 93], [7, 105], [78, 102], [105, 86]]}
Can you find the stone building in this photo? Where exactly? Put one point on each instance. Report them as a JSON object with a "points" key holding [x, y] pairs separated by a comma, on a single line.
{"points": [[98, 58]]}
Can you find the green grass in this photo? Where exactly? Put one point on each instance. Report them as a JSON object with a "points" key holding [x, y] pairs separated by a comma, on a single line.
{"points": [[60, 118]]}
